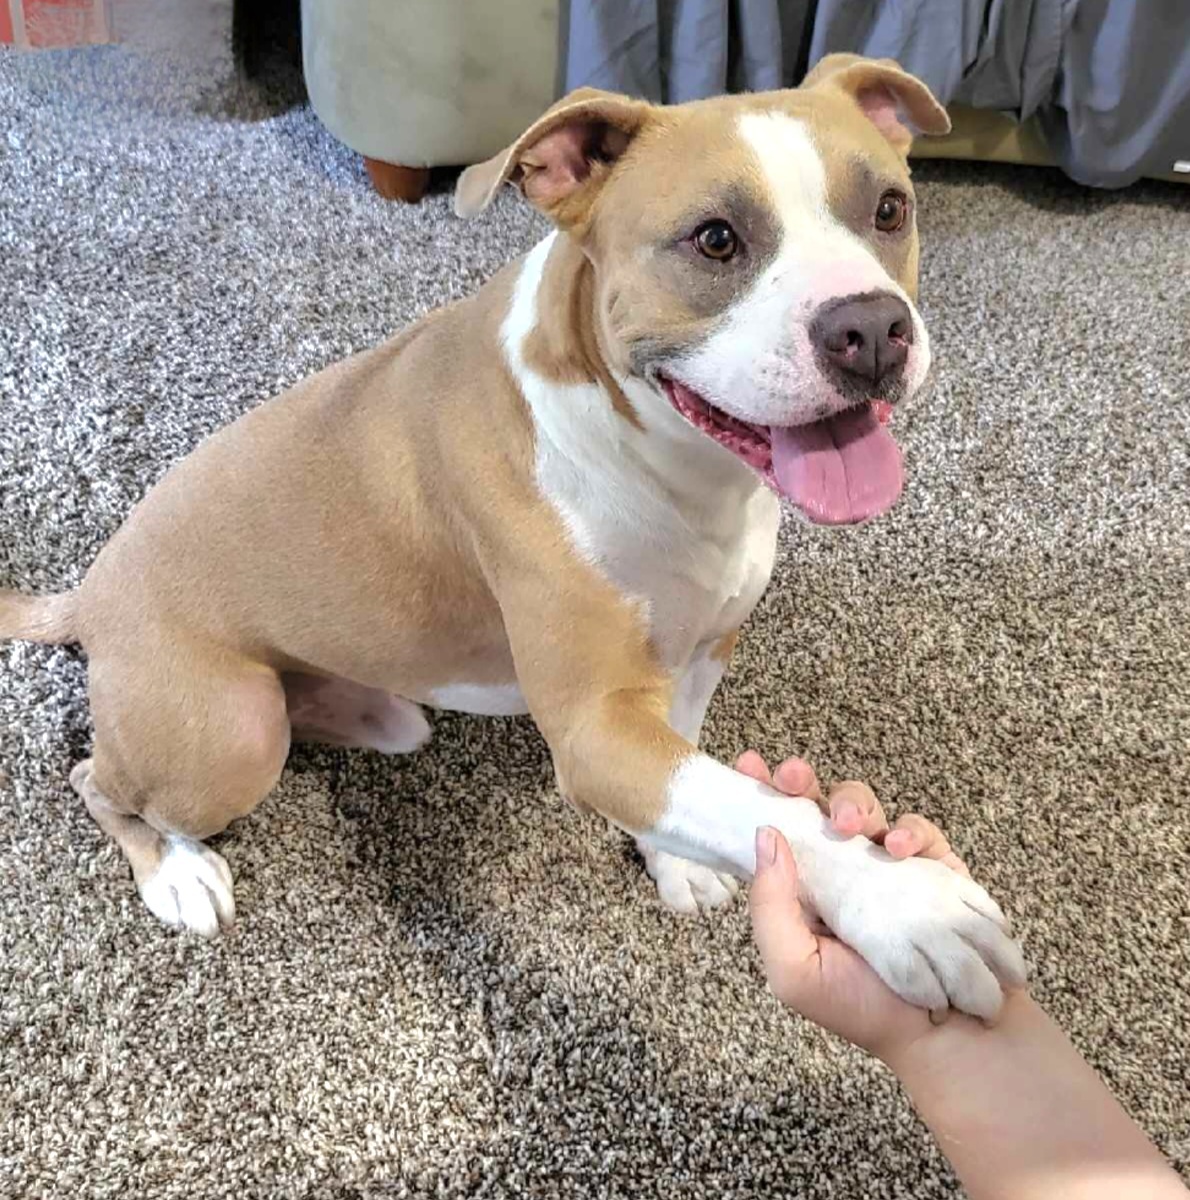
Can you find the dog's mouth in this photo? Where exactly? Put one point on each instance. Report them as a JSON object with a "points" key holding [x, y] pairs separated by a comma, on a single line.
{"points": [[840, 470]]}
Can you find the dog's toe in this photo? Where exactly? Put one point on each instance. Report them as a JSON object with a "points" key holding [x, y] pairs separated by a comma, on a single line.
{"points": [[686, 886]]}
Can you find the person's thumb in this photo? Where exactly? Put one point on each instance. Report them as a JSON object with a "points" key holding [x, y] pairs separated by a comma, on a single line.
{"points": [[783, 938]]}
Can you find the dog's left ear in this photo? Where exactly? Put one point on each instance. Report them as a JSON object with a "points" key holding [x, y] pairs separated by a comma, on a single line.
{"points": [[562, 159], [884, 92]]}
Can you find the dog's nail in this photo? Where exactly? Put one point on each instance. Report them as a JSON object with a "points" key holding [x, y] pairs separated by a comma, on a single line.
{"points": [[938, 1016]]}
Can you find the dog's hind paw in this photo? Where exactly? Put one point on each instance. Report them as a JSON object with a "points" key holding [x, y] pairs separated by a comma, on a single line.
{"points": [[191, 889]]}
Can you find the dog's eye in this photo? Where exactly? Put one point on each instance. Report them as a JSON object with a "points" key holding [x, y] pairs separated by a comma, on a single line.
{"points": [[891, 212], [717, 240]]}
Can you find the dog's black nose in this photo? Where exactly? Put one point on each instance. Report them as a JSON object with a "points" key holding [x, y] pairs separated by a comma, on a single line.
{"points": [[866, 336]]}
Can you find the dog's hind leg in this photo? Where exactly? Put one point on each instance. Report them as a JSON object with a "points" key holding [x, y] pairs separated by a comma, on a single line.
{"points": [[184, 744], [183, 882], [341, 713]]}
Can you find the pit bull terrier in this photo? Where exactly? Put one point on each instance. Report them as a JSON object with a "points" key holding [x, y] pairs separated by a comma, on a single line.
{"points": [[560, 497]]}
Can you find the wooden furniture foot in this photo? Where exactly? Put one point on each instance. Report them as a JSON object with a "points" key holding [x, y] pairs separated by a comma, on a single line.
{"points": [[395, 182]]}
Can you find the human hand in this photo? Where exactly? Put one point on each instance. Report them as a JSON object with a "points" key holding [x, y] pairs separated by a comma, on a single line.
{"points": [[854, 809], [808, 970]]}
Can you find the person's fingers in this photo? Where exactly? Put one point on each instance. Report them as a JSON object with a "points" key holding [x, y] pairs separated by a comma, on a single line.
{"points": [[795, 777], [750, 763], [912, 836], [788, 948], [855, 809]]}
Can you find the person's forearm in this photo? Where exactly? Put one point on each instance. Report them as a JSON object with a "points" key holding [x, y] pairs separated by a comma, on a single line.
{"points": [[1021, 1115]]}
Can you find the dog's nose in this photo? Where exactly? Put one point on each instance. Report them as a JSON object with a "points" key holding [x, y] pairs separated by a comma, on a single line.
{"points": [[866, 336]]}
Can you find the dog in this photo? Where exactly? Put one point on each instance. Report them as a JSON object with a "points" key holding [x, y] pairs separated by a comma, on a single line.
{"points": [[559, 496]]}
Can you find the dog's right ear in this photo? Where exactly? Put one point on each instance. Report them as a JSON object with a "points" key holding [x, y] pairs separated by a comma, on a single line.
{"points": [[562, 159]]}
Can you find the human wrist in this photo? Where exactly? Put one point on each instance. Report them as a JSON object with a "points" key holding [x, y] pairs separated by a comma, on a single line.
{"points": [[927, 1052]]}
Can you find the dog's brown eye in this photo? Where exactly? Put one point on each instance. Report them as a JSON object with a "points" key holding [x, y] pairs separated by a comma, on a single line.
{"points": [[891, 212], [717, 240]]}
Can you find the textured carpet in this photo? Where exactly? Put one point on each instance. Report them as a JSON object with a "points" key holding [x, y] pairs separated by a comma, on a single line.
{"points": [[444, 982]]}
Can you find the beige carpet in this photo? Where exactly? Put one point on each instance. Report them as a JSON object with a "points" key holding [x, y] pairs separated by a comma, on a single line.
{"points": [[445, 983]]}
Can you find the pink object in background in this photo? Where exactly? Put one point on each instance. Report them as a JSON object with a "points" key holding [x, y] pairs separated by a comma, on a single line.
{"points": [[45, 24]]}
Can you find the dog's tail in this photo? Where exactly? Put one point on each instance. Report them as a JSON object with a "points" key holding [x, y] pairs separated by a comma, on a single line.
{"points": [[37, 618]]}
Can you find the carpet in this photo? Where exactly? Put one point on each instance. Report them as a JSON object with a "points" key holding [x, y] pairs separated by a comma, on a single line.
{"points": [[444, 982]]}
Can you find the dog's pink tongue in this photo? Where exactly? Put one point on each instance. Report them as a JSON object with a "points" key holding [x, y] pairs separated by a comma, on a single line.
{"points": [[841, 470]]}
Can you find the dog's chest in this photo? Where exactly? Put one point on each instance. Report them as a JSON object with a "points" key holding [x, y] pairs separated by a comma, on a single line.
{"points": [[695, 576]]}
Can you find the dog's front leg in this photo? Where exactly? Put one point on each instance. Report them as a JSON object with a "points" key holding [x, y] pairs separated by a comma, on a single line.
{"points": [[934, 936], [683, 885], [587, 668]]}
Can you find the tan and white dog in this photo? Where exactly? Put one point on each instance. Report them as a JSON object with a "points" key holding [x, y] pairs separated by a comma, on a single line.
{"points": [[559, 497]]}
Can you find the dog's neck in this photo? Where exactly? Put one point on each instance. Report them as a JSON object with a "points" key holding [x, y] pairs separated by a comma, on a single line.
{"points": [[604, 422], [567, 341]]}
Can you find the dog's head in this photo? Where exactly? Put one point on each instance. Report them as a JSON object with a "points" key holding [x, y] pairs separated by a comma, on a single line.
{"points": [[755, 260]]}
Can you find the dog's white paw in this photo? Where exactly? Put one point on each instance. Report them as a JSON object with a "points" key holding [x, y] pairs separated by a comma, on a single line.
{"points": [[934, 936], [191, 889], [687, 886]]}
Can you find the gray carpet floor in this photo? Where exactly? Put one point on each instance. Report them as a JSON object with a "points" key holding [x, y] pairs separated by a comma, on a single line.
{"points": [[444, 982]]}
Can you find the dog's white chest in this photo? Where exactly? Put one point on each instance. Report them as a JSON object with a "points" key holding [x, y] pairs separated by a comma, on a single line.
{"points": [[696, 580], [683, 529]]}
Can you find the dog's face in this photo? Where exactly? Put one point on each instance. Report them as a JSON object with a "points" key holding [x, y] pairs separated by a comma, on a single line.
{"points": [[756, 264]]}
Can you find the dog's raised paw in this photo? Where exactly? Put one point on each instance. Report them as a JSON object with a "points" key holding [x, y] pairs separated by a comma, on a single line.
{"points": [[191, 889], [689, 887], [934, 936]]}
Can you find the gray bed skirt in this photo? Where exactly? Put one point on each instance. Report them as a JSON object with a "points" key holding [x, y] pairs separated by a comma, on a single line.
{"points": [[1109, 80]]}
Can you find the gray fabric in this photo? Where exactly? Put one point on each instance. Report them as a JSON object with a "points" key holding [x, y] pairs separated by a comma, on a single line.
{"points": [[444, 983], [678, 50], [1122, 103], [1109, 79], [1000, 55]]}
